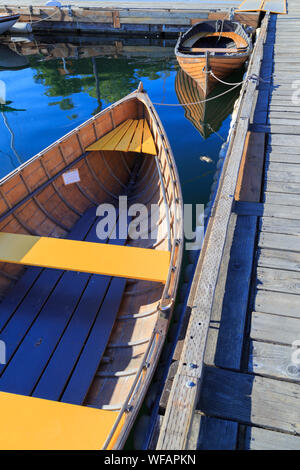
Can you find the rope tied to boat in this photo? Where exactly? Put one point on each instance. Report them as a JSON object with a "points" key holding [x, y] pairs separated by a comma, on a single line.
{"points": [[252, 77]]}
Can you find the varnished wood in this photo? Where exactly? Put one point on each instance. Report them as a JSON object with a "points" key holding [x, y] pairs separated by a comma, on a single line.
{"points": [[36, 197], [198, 61]]}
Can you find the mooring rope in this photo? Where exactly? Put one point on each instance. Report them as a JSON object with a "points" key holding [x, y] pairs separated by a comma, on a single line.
{"points": [[42, 19], [197, 102], [253, 76]]}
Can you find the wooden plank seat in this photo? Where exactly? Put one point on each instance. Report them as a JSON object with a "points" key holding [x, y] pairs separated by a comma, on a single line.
{"points": [[133, 135], [212, 49], [54, 352], [35, 424], [92, 257]]}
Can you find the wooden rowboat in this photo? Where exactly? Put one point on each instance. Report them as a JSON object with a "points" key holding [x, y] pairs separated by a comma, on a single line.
{"points": [[7, 22], [220, 47], [206, 116], [82, 326]]}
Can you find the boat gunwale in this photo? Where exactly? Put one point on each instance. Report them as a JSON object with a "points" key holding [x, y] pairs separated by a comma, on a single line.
{"points": [[4, 19]]}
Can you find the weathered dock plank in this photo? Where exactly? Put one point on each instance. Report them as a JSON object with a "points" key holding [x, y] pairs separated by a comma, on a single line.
{"points": [[279, 241], [285, 139], [278, 303], [251, 399], [282, 187], [282, 198], [267, 210], [264, 439], [277, 225], [282, 157], [274, 328], [272, 360], [278, 280], [289, 260], [283, 167]]}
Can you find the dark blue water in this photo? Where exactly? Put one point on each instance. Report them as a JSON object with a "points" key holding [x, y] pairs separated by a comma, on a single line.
{"points": [[45, 99]]}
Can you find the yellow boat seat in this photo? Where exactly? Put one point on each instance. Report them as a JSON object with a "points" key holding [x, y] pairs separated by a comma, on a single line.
{"points": [[30, 423], [90, 257], [133, 135], [240, 42]]}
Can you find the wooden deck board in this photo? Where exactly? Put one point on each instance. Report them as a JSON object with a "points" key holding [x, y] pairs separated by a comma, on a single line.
{"points": [[282, 187], [278, 280], [271, 360], [264, 439], [279, 241], [272, 197], [274, 328], [251, 399], [278, 303], [277, 225], [288, 260]]}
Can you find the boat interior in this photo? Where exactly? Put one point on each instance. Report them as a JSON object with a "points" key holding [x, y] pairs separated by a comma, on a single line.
{"points": [[223, 35], [79, 333]]}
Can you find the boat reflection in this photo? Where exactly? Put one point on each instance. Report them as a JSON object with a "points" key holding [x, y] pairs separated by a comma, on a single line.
{"points": [[206, 114], [11, 60]]}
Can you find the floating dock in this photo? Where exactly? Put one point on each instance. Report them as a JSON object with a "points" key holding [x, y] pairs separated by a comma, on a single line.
{"points": [[135, 18], [237, 379]]}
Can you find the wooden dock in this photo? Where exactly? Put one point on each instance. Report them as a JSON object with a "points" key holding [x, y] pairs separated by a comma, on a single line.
{"points": [[237, 380], [135, 18]]}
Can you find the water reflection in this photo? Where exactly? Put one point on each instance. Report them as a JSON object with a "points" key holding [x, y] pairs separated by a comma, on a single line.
{"points": [[206, 116], [11, 60], [55, 84]]}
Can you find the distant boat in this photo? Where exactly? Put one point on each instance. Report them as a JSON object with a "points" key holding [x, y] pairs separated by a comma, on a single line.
{"points": [[206, 116], [6, 22], [220, 47]]}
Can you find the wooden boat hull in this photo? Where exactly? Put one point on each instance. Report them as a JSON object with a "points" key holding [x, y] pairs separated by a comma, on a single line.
{"points": [[76, 340], [198, 65], [7, 22]]}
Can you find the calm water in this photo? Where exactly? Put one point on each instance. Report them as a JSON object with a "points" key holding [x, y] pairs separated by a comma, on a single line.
{"points": [[47, 97]]}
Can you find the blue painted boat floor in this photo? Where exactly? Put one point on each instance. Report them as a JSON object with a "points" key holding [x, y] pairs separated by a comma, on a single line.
{"points": [[56, 326]]}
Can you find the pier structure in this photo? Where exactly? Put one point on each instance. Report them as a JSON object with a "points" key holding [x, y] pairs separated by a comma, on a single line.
{"points": [[154, 19], [238, 373]]}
